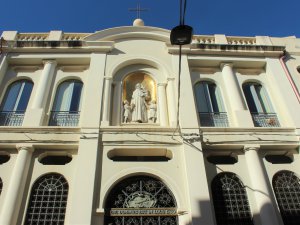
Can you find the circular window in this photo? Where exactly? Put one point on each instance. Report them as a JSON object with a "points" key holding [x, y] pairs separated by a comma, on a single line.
{"points": [[298, 69]]}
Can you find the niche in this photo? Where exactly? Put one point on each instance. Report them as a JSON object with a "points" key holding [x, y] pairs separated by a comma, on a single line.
{"points": [[140, 155], [4, 157], [222, 159], [50, 158], [279, 159]]}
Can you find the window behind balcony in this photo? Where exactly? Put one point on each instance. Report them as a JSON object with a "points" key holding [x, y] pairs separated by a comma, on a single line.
{"points": [[15, 102], [260, 106], [66, 107], [210, 105]]}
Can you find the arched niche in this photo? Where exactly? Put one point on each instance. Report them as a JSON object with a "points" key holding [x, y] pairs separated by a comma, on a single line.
{"points": [[153, 82], [146, 199]]}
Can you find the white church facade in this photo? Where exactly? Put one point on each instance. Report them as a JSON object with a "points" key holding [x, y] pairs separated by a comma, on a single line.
{"points": [[90, 136]]}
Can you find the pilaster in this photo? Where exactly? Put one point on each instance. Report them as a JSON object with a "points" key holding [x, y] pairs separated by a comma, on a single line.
{"points": [[106, 101], [34, 116], [162, 102]]}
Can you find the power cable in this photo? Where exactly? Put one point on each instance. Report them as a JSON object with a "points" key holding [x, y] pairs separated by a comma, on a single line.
{"points": [[182, 12]]}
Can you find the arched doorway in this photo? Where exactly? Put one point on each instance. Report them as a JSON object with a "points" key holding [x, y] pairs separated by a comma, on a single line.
{"points": [[140, 200]]}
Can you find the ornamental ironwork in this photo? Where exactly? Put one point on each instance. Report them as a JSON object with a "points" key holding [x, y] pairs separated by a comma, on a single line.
{"points": [[139, 201], [230, 200], [48, 200], [286, 186]]}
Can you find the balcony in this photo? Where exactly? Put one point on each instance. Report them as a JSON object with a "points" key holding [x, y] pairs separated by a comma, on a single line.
{"points": [[265, 120], [213, 119], [11, 118], [64, 118]]}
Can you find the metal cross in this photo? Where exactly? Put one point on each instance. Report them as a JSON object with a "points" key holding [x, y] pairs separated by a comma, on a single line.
{"points": [[138, 10]]}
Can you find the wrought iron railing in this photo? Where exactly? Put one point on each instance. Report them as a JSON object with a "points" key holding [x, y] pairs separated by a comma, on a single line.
{"points": [[265, 120], [64, 118], [213, 119], [11, 118]]}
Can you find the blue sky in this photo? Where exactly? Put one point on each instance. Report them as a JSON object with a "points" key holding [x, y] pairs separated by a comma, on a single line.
{"points": [[277, 18]]}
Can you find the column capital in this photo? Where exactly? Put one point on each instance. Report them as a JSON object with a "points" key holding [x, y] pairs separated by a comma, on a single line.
{"points": [[162, 84], [49, 61], [223, 64], [27, 147], [108, 78], [251, 148]]}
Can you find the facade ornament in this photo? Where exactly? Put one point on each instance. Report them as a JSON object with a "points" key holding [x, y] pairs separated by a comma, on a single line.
{"points": [[127, 112], [153, 111]]}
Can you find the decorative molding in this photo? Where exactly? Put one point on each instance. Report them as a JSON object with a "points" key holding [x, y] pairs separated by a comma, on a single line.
{"points": [[252, 71], [73, 68], [26, 68]]}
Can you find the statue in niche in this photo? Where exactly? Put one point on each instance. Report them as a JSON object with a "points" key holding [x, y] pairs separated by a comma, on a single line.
{"points": [[139, 104], [127, 112], [152, 111]]}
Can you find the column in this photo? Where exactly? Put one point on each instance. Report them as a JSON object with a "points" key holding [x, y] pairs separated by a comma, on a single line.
{"points": [[117, 104], [162, 104], [241, 117], [35, 115], [259, 181], [171, 96], [106, 101], [15, 190]]}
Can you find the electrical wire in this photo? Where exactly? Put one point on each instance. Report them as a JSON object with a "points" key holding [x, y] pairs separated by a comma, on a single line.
{"points": [[181, 22]]}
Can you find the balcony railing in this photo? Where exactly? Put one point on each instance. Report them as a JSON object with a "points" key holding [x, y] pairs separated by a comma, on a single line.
{"points": [[213, 119], [11, 118], [64, 118], [265, 120]]}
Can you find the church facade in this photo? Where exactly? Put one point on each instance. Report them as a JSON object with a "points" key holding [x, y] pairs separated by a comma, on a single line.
{"points": [[100, 128]]}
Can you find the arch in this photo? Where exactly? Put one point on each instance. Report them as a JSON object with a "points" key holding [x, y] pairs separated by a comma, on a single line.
{"points": [[142, 197], [210, 105], [15, 101], [67, 102], [230, 200], [48, 200], [286, 186], [129, 64]]}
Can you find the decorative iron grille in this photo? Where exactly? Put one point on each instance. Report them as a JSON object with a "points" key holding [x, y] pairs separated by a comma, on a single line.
{"points": [[48, 200], [140, 193], [64, 118], [265, 120], [213, 119], [11, 118], [230, 200], [286, 186]]}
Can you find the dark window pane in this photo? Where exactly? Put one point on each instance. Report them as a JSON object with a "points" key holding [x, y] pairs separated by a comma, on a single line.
{"points": [[25, 95], [286, 186], [47, 200], [230, 200], [75, 101]]}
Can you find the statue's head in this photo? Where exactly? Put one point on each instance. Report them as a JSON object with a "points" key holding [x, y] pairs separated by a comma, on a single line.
{"points": [[138, 86]]}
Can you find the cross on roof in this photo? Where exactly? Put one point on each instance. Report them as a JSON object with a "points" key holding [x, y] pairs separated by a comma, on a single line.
{"points": [[138, 10]]}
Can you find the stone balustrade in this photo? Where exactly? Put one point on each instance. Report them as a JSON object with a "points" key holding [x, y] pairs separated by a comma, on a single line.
{"points": [[241, 40], [203, 39], [32, 36]]}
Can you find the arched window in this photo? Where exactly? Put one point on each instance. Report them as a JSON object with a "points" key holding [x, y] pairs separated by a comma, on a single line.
{"points": [[66, 107], [230, 200], [15, 102], [210, 105], [260, 106], [286, 186], [146, 199], [48, 200]]}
